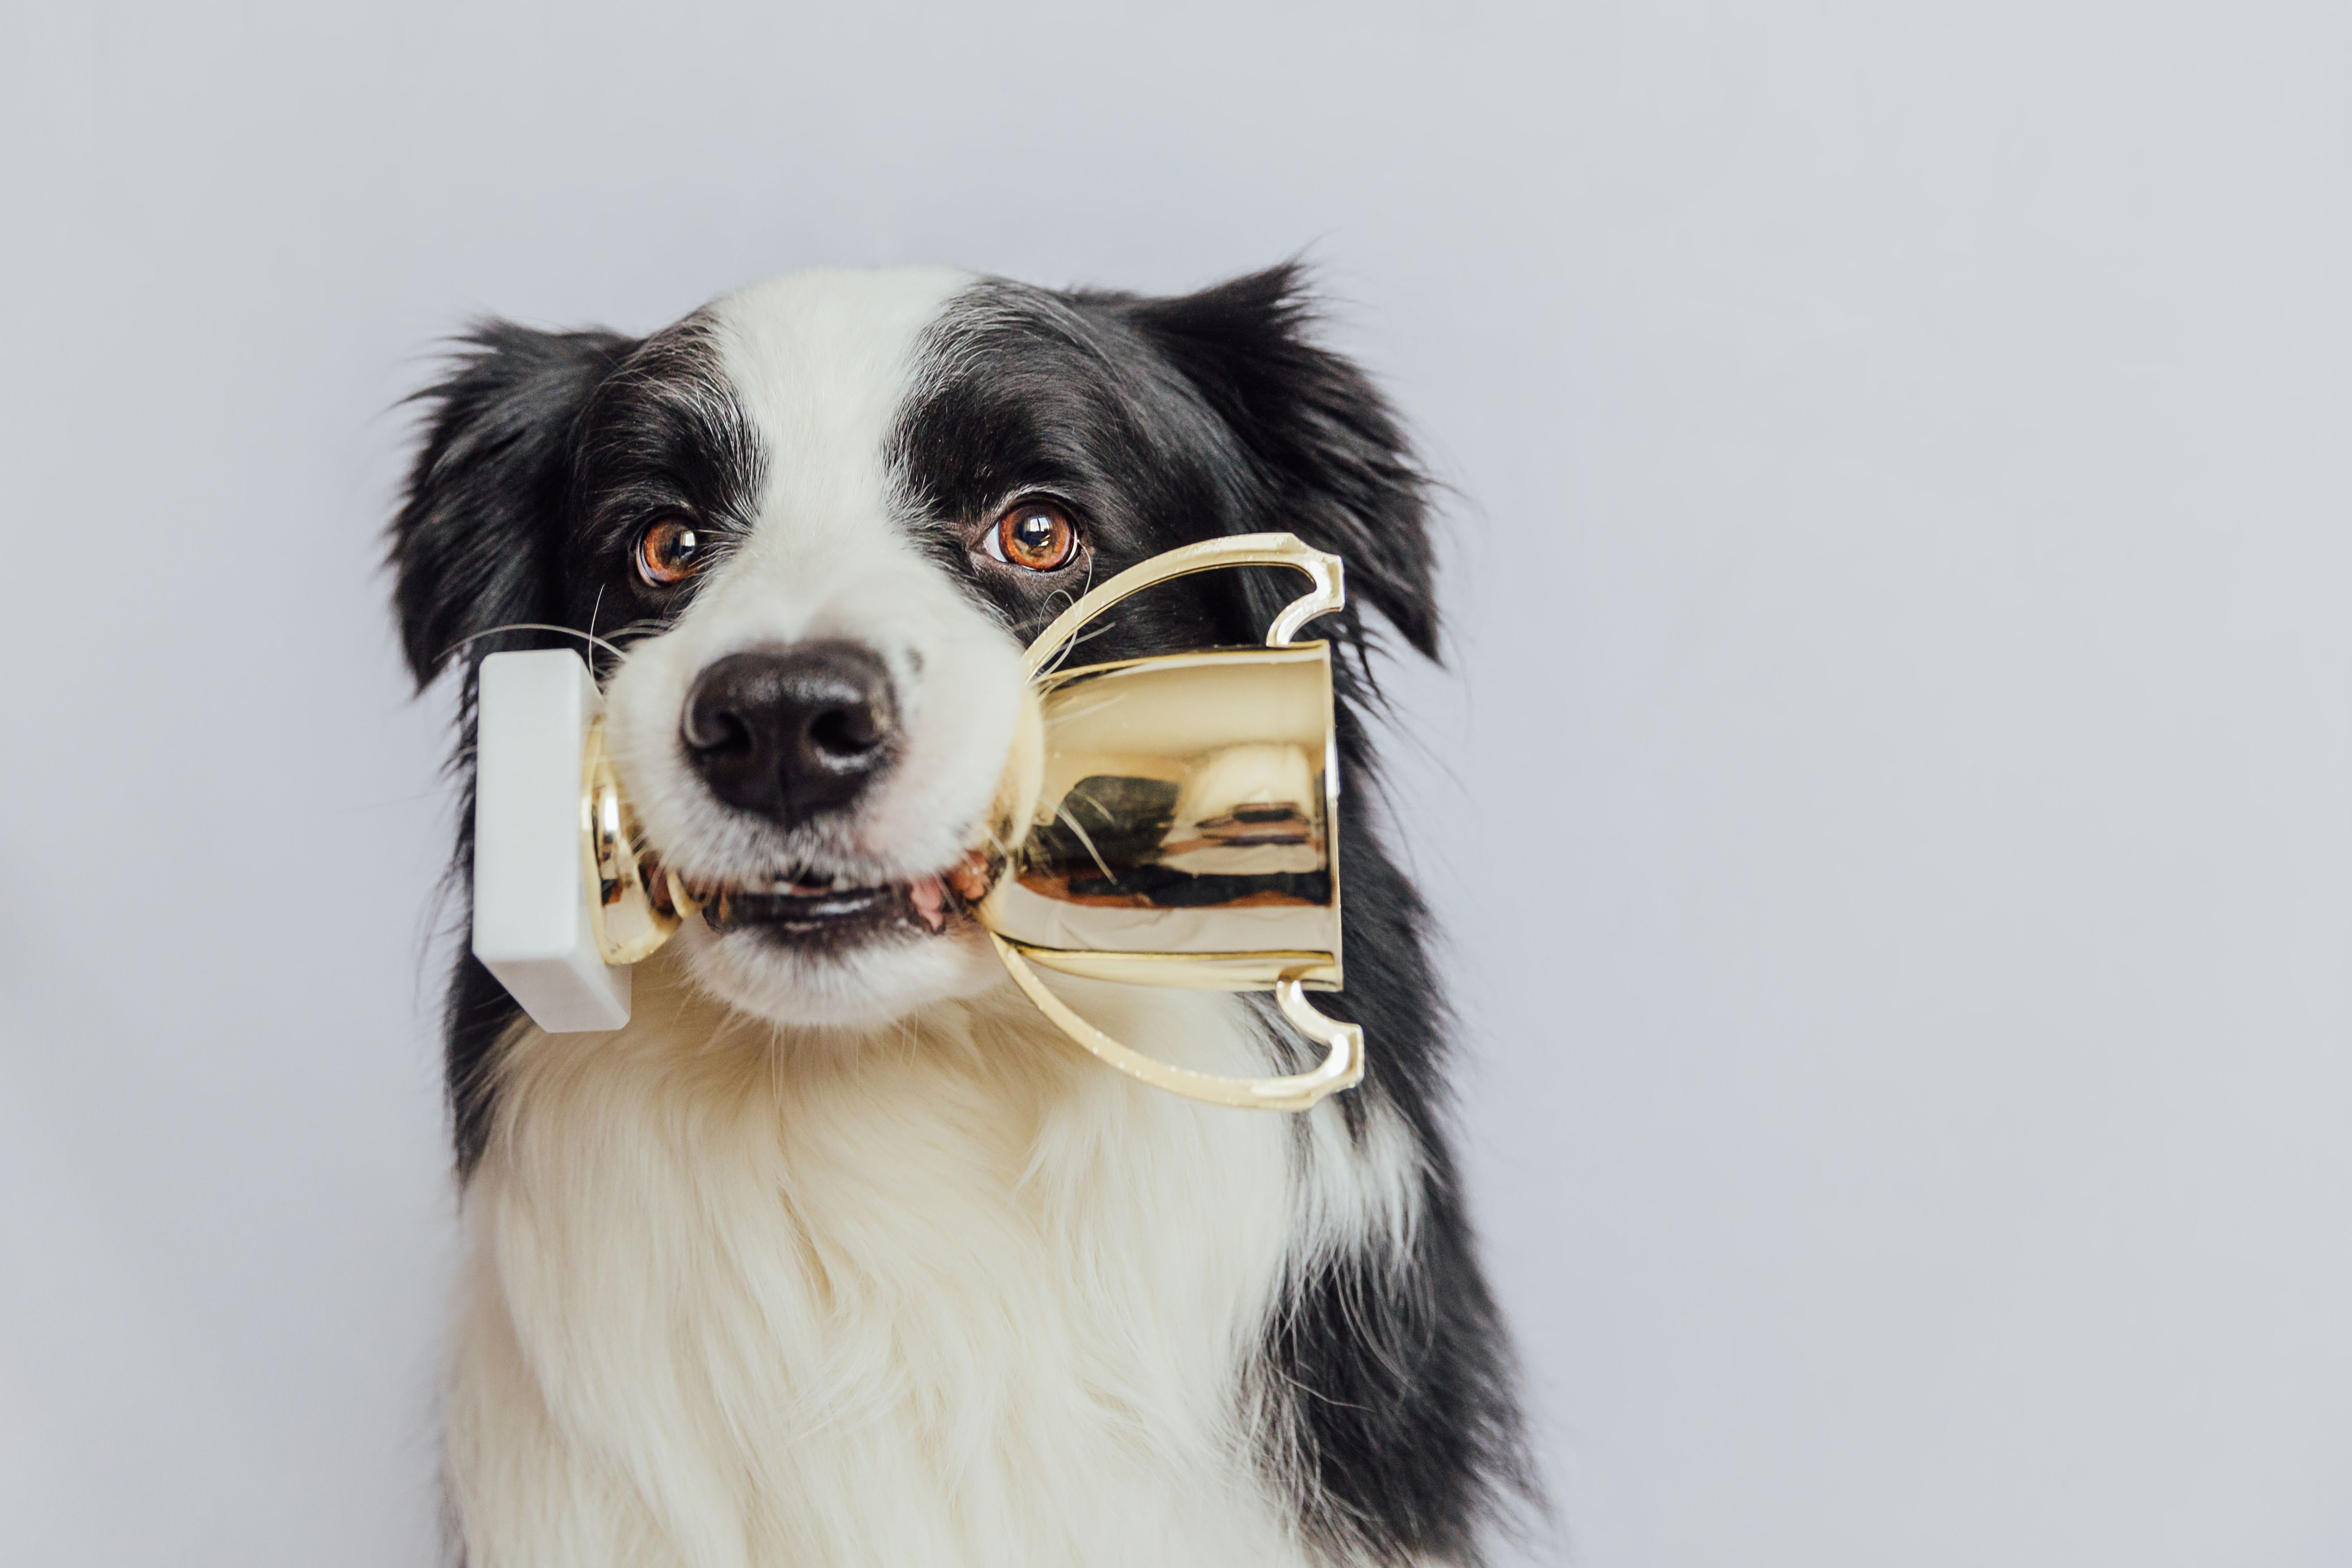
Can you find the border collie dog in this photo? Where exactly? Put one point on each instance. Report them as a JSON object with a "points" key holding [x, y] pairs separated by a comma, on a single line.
{"points": [[839, 1252]]}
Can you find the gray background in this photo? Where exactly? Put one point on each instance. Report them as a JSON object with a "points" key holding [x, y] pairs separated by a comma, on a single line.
{"points": [[1889, 803]]}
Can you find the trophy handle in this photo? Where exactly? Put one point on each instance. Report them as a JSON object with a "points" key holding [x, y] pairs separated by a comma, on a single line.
{"points": [[1342, 1068], [629, 923], [1329, 591]]}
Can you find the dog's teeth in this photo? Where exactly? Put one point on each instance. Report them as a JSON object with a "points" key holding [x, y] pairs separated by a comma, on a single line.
{"points": [[841, 884], [970, 877]]}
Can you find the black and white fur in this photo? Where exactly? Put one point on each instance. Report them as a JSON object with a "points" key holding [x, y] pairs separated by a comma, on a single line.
{"points": [[841, 1254]]}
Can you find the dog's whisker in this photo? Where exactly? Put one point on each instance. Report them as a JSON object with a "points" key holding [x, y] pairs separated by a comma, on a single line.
{"points": [[530, 626], [1062, 656], [1072, 824]]}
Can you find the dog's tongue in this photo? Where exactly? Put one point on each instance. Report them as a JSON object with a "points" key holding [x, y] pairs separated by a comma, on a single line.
{"points": [[930, 902]]}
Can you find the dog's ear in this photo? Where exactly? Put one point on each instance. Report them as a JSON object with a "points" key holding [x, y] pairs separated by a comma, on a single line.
{"points": [[474, 545], [1339, 471]]}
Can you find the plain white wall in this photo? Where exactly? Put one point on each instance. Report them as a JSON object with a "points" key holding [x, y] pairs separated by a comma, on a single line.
{"points": [[1889, 804]]}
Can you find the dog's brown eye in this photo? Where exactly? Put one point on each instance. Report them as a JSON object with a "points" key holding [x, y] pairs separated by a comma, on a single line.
{"points": [[669, 551], [1036, 536]]}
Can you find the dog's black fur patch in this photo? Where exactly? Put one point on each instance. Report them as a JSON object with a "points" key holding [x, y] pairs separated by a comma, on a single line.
{"points": [[541, 451], [1159, 422]]}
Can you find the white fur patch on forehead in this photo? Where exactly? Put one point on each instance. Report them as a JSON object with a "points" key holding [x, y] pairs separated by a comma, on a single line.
{"points": [[822, 363]]}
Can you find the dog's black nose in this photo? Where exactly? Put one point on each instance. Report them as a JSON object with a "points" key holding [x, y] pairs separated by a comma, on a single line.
{"points": [[791, 733]]}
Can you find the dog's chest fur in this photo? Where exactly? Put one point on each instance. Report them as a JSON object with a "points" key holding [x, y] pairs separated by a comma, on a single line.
{"points": [[948, 1295]]}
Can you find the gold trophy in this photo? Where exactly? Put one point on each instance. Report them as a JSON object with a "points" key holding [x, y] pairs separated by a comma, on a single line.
{"points": [[1170, 821]]}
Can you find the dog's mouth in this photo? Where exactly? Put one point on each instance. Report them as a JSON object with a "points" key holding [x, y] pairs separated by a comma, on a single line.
{"points": [[831, 910], [807, 906]]}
